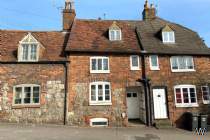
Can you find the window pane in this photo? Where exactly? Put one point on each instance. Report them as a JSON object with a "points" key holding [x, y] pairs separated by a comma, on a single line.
{"points": [[178, 96], [185, 95], [25, 52], [192, 95], [174, 63], [36, 93], [99, 64], [107, 93], [117, 35], [171, 36], [128, 95], [112, 35], [105, 64], [182, 63], [205, 91], [165, 37], [100, 93], [135, 61], [93, 92], [154, 61], [189, 61], [18, 95], [33, 52], [27, 95], [94, 64]]}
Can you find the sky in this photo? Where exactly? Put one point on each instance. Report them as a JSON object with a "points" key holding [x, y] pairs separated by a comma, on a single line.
{"points": [[46, 14]]}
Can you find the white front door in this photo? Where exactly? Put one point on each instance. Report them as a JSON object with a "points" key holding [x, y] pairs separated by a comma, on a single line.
{"points": [[133, 105], [160, 105]]}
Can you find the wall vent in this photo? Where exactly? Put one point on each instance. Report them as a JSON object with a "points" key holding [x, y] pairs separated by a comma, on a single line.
{"points": [[98, 122]]}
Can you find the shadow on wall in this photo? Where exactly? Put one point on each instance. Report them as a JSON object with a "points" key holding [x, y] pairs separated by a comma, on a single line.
{"points": [[184, 122], [147, 137]]}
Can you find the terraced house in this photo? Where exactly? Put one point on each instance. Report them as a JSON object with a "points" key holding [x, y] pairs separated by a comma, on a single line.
{"points": [[104, 72]]}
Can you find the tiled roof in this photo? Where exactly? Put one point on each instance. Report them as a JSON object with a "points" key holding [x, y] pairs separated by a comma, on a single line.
{"points": [[51, 41], [187, 41], [92, 36]]}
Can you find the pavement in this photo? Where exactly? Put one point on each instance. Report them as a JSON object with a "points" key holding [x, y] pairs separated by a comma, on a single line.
{"points": [[59, 132]]}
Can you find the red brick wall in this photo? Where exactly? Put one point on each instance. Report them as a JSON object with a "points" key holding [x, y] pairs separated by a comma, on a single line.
{"points": [[165, 77], [120, 77]]}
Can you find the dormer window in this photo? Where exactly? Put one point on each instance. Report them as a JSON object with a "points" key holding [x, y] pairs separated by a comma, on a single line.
{"points": [[168, 35], [28, 50], [115, 33]]}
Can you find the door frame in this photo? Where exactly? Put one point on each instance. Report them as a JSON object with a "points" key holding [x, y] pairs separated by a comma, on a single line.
{"points": [[166, 96]]}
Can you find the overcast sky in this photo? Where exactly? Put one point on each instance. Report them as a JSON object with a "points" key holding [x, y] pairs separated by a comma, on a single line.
{"points": [[46, 14]]}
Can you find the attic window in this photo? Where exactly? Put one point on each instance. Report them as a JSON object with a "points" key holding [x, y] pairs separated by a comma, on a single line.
{"points": [[168, 35], [115, 33], [28, 49]]}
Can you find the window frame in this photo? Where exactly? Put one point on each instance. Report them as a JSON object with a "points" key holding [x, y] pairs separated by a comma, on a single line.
{"points": [[154, 67], [131, 63], [30, 44], [189, 96], [168, 37], [115, 38], [205, 101], [99, 71], [182, 70], [104, 102], [22, 86]]}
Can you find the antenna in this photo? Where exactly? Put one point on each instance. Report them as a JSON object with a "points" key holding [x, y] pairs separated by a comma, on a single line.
{"points": [[104, 16]]}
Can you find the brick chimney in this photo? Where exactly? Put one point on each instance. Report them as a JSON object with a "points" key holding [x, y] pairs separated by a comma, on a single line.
{"points": [[69, 15], [149, 12]]}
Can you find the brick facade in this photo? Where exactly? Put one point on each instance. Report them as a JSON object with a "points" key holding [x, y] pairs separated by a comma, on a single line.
{"points": [[51, 79], [120, 77], [164, 77]]}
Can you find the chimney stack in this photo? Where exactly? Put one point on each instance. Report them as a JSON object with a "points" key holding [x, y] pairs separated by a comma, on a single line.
{"points": [[149, 12], [69, 14]]}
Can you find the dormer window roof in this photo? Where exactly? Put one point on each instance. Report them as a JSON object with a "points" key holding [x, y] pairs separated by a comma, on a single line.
{"points": [[168, 35], [115, 33], [28, 50]]}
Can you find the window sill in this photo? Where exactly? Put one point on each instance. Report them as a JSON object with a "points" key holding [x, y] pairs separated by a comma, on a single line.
{"points": [[186, 105], [99, 72], [25, 106], [135, 69], [155, 69], [101, 104], [183, 71], [206, 102]]}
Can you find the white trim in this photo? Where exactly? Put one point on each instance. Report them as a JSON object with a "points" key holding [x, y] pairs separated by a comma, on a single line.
{"points": [[154, 67], [185, 104], [20, 49], [104, 102], [98, 120], [99, 71], [182, 70], [23, 86], [115, 35], [205, 101], [131, 62], [168, 36]]}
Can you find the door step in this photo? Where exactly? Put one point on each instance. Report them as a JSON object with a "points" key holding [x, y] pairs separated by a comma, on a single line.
{"points": [[163, 124]]}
